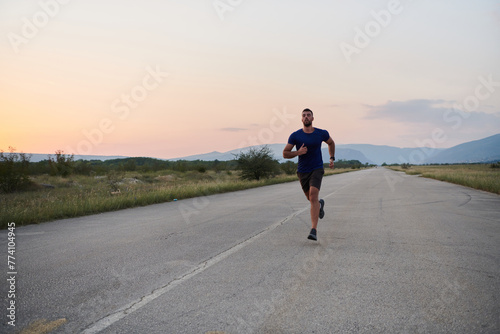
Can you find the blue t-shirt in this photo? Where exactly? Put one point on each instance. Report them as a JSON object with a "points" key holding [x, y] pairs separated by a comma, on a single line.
{"points": [[313, 158]]}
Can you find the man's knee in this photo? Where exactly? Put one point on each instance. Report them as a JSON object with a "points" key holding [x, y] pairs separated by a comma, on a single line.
{"points": [[313, 194]]}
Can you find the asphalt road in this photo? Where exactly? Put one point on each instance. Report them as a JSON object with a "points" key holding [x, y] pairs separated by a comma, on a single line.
{"points": [[396, 254]]}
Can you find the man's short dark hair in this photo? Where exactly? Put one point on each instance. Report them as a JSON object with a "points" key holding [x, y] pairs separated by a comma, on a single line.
{"points": [[308, 110]]}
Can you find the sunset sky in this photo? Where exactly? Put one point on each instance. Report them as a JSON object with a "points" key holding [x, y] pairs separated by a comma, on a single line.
{"points": [[167, 79]]}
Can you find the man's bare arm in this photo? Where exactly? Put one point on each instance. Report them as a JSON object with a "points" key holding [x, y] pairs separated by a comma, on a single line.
{"points": [[331, 150], [331, 146], [289, 154]]}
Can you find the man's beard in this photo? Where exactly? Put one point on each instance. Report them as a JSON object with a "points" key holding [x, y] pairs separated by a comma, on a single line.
{"points": [[307, 123]]}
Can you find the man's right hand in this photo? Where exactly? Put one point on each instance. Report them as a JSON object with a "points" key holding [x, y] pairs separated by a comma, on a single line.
{"points": [[302, 150]]}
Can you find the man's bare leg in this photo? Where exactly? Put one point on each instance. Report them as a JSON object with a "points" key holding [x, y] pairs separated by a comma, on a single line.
{"points": [[314, 200]]}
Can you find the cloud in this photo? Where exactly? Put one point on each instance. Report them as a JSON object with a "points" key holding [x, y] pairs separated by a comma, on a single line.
{"points": [[433, 112], [412, 111], [421, 118]]}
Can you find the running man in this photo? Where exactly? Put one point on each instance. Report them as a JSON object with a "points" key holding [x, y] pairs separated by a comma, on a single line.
{"points": [[310, 171]]}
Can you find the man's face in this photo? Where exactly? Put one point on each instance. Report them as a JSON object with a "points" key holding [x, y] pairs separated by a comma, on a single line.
{"points": [[307, 118]]}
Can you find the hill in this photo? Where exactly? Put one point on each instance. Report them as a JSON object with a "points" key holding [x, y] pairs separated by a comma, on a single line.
{"points": [[390, 154], [277, 150], [483, 150], [478, 151]]}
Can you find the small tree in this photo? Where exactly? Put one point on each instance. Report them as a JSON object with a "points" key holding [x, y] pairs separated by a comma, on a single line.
{"points": [[217, 166], [62, 164], [114, 179], [14, 169], [130, 165], [289, 167], [180, 166], [257, 164], [405, 165]]}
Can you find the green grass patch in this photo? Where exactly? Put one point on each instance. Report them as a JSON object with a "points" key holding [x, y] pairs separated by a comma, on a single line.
{"points": [[77, 195], [477, 176]]}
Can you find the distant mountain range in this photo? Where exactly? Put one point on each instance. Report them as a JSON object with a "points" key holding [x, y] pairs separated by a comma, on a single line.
{"points": [[483, 150], [478, 151], [277, 150], [35, 157]]}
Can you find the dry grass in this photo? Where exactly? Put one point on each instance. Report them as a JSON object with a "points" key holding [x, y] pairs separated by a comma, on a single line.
{"points": [[43, 326], [84, 195], [481, 177]]}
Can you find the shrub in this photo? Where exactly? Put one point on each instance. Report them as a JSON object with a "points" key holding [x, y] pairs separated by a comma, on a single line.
{"points": [[62, 164], [289, 167], [114, 179], [257, 164], [14, 168], [405, 165]]}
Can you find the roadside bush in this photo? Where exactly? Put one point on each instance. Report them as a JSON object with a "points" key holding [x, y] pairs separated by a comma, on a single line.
{"points": [[405, 166], [257, 164], [83, 168], [62, 164], [180, 166], [14, 171], [114, 179], [289, 167], [352, 164]]}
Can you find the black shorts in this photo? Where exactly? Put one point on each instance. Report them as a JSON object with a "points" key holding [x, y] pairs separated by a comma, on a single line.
{"points": [[312, 179]]}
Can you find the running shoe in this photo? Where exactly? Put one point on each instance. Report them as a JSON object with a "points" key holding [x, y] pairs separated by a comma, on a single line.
{"points": [[312, 235], [321, 211]]}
